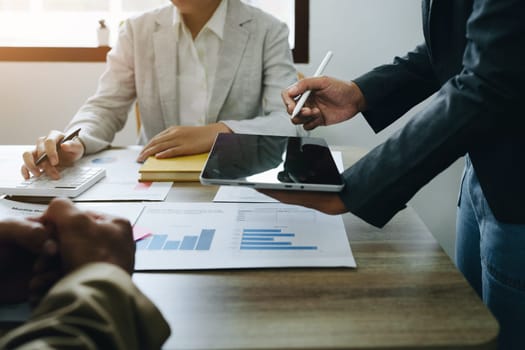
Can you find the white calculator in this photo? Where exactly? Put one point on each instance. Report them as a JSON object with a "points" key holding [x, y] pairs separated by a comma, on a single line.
{"points": [[73, 181]]}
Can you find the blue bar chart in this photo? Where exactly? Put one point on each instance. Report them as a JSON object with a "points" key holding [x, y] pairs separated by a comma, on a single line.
{"points": [[270, 239], [202, 241], [200, 236]]}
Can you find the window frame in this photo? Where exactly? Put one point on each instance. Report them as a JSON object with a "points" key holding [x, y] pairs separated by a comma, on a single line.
{"points": [[301, 50], [98, 54]]}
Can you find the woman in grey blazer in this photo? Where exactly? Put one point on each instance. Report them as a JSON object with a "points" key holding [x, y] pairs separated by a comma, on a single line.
{"points": [[252, 64]]}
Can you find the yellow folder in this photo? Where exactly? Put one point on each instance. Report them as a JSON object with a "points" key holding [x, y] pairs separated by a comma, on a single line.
{"points": [[179, 169]]}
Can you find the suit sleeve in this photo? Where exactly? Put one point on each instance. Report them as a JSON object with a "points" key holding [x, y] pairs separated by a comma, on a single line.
{"points": [[391, 90], [94, 307], [479, 105], [106, 112]]}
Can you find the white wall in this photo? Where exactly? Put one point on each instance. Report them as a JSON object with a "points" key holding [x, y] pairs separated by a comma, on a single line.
{"points": [[37, 97]]}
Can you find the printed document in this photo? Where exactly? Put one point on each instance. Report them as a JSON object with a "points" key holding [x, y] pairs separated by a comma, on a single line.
{"points": [[187, 236], [121, 181]]}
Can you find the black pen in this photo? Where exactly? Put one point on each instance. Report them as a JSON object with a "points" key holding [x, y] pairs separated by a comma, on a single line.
{"points": [[66, 138]]}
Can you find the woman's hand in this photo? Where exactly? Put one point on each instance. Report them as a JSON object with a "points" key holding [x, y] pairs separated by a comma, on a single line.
{"points": [[182, 140], [58, 155]]}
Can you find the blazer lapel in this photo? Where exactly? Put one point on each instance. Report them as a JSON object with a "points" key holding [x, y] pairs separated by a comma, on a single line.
{"points": [[430, 7], [233, 47], [427, 12], [426, 6], [165, 52]]}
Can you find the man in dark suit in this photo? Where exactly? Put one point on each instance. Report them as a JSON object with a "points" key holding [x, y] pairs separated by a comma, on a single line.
{"points": [[473, 59]]}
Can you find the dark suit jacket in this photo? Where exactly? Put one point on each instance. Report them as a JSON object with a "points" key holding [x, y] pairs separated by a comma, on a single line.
{"points": [[474, 58]]}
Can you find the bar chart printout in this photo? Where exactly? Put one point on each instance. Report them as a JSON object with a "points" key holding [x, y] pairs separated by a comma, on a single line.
{"points": [[161, 242], [199, 236], [270, 239]]}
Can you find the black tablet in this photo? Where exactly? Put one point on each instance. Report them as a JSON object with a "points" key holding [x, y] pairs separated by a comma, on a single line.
{"points": [[272, 162]]}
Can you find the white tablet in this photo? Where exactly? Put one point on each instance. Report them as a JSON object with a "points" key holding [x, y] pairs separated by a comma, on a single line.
{"points": [[272, 162]]}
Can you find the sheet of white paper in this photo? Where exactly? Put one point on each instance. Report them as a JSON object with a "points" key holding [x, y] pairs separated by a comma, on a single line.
{"points": [[130, 211], [11, 160], [240, 194], [338, 158], [121, 181], [190, 236], [11, 209]]}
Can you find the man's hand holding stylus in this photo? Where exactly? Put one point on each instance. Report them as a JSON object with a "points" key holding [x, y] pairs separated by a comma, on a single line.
{"points": [[58, 155], [331, 101]]}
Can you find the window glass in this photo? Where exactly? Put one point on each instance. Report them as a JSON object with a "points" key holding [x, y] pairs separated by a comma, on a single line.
{"points": [[75, 6], [282, 9], [68, 23], [141, 5], [72, 23], [14, 5]]}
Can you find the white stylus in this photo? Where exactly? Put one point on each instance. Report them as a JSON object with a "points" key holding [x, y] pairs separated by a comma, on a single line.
{"points": [[318, 72]]}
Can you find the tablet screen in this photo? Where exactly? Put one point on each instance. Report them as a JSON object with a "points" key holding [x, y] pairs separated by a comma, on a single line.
{"points": [[275, 162]]}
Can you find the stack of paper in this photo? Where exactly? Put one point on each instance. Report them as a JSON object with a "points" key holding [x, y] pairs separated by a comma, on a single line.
{"points": [[183, 169]]}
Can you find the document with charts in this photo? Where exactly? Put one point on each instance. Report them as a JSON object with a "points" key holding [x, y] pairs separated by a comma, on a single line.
{"points": [[121, 181], [189, 236]]}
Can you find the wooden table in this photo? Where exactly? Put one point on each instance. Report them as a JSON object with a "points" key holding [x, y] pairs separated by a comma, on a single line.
{"points": [[405, 294]]}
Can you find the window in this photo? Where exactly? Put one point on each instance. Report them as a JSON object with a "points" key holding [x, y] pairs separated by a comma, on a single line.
{"points": [[64, 23], [296, 15], [68, 24], [284, 10]]}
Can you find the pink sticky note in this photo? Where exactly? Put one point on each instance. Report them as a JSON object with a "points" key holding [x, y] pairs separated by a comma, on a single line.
{"points": [[140, 233], [142, 186]]}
